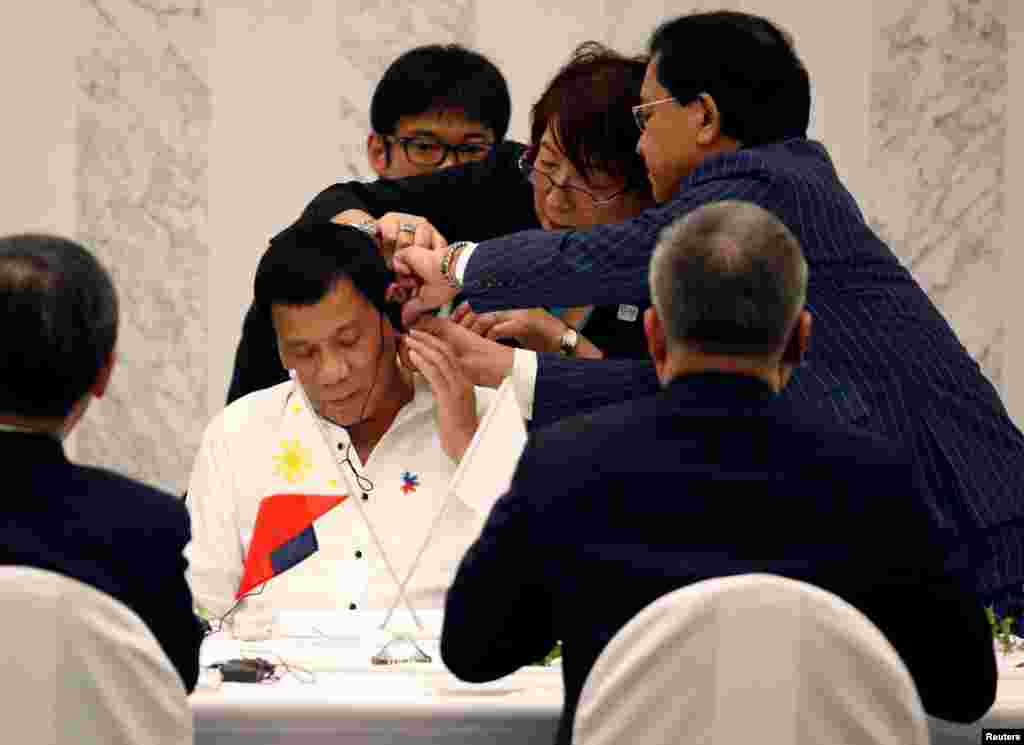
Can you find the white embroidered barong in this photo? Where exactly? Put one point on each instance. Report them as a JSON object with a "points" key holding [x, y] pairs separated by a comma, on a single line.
{"points": [[268, 443]]}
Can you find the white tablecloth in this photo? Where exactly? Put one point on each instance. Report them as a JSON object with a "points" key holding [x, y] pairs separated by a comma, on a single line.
{"points": [[350, 700]]}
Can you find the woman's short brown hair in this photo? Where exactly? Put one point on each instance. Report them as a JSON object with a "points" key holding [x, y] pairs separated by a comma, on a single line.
{"points": [[589, 102]]}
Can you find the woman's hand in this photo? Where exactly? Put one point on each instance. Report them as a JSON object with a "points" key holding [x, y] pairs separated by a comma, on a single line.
{"points": [[533, 328], [485, 362]]}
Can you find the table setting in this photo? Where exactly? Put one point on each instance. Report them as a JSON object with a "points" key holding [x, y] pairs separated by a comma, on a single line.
{"points": [[325, 681]]}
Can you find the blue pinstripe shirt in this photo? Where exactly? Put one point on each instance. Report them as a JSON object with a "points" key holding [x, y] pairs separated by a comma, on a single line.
{"points": [[881, 357]]}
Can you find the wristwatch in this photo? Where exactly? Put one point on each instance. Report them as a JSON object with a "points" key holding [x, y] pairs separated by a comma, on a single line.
{"points": [[567, 345], [450, 260]]}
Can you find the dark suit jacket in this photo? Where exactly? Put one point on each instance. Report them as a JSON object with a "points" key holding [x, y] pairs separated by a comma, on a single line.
{"points": [[107, 531], [712, 477], [882, 356]]}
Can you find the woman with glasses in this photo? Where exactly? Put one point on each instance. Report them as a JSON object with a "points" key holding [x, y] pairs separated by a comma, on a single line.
{"points": [[584, 170], [581, 169]]}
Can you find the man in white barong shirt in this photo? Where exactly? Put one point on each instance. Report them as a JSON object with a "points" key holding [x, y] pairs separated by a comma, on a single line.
{"points": [[400, 433]]}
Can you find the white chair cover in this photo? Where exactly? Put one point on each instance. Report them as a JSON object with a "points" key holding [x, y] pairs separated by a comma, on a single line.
{"points": [[749, 658], [81, 668]]}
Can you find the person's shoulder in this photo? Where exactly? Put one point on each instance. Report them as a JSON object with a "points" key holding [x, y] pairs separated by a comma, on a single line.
{"points": [[825, 439], [262, 407], [869, 478], [329, 202], [592, 434], [131, 502], [568, 464], [508, 152], [777, 162]]}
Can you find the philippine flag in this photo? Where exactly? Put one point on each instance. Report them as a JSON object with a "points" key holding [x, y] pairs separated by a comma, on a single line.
{"points": [[283, 535]]}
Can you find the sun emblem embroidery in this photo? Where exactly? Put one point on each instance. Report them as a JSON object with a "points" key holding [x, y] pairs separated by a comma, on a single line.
{"points": [[293, 462], [409, 482]]}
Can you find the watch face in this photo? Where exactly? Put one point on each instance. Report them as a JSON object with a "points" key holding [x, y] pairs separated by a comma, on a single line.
{"points": [[628, 313], [568, 345]]}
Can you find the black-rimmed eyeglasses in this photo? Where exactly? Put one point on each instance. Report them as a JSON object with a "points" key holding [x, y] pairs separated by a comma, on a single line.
{"points": [[538, 177], [426, 151]]}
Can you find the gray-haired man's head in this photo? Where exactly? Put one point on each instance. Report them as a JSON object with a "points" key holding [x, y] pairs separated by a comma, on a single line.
{"points": [[729, 281]]}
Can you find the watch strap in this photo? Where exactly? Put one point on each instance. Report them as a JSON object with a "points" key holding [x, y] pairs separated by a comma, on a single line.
{"points": [[367, 226], [449, 260]]}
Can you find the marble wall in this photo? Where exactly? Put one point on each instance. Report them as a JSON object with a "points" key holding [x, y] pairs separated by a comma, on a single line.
{"points": [[142, 132], [1012, 267], [175, 136], [939, 90]]}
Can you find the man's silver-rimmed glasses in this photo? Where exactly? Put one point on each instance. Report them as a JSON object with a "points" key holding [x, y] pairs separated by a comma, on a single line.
{"points": [[538, 177], [426, 151], [641, 115]]}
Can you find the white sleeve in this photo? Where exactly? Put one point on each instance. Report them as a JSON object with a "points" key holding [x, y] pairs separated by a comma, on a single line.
{"points": [[215, 559], [524, 364], [460, 265], [524, 379], [490, 460]]}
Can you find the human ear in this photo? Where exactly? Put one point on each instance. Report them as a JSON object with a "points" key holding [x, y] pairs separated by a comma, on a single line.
{"points": [[711, 124], [103, 377], [377, 154], [655, 333]]}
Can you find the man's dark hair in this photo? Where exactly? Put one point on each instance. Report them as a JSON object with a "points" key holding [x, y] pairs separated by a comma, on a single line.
{"points": [[60, 324], [746, 64], [729, 278], [441, 77], [590, 102], [304, 262]]}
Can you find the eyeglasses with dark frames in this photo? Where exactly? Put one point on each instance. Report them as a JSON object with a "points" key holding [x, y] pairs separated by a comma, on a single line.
{"points": [[538, 177], [426, 151]]}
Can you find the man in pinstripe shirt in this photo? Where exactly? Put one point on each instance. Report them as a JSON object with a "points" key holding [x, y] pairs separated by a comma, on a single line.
{"points": [[725, 110]]}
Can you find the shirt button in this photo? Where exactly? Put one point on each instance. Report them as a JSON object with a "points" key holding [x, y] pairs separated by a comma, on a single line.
{"points": [[351, 606], [359, 554]]}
